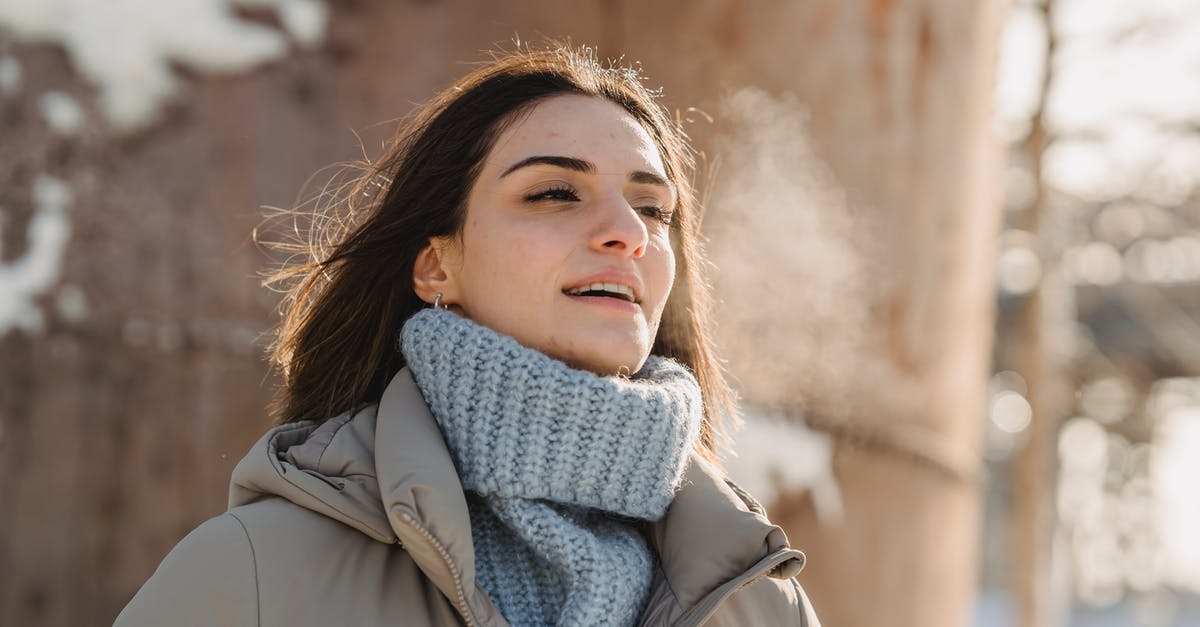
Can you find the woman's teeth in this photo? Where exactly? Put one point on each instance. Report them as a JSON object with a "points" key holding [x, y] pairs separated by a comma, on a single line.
{"points": [[613, 289]]}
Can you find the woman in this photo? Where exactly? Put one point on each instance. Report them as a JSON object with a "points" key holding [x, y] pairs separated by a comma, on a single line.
{"points": [[499, 401]]}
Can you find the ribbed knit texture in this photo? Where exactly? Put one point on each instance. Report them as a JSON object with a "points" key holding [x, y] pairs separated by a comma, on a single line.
{"points": [[553, 459]]}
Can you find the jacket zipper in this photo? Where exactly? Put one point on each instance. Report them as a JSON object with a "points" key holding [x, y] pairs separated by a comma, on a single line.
{"points": [[460, 604]]}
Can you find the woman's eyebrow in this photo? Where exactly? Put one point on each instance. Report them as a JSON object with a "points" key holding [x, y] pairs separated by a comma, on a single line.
{"points": [[570, 163], [580, 165], [649, 178]]}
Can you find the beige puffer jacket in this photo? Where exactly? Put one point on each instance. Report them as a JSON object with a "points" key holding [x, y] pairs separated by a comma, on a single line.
{"points": [[362, 521]]}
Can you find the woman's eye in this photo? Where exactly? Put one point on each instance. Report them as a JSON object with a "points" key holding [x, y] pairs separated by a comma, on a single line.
{"points": [[557, 193], [658, 213]]}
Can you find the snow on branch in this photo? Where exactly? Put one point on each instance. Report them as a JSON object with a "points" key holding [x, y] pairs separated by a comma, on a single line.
{"points": [[126, 47], [24, 278]]}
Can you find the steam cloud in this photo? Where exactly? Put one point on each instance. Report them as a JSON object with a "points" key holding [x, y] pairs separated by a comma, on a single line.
{"points": [[789, 276]]}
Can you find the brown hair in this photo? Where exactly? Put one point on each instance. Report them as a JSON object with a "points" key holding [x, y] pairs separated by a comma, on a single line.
{"points": [[345, 302]]}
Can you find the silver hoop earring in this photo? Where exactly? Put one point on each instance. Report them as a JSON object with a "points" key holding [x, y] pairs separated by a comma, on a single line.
{"points": [[437, 299]]}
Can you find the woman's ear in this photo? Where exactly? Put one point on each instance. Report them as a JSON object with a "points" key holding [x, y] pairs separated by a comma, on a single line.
{"points": [[433, 273]]}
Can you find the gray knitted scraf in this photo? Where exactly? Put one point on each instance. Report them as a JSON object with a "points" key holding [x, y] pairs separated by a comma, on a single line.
{"points": [[556, 462]]}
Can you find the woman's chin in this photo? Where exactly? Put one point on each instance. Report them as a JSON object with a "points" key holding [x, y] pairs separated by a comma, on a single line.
{"points": [[609, 363]]}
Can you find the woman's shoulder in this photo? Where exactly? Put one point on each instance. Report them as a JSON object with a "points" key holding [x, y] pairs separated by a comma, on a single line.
{"points": [[208, 578], [228, 562], [281, 532], [270, 559]]}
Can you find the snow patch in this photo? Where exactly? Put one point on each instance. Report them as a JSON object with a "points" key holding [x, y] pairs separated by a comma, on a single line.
{"points": [[71, 303], [778, 455], [24, 278], [126, 47], [10, 75], [305, 20], [1175, 468], [62, 112]]}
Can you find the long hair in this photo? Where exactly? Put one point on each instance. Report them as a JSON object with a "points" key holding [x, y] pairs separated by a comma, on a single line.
{"points": [[348, 289]]}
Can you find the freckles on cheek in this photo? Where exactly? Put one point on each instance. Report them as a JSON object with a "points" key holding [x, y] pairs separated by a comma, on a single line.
{"points": [[524, 254], [556, 344], [523, 245]]}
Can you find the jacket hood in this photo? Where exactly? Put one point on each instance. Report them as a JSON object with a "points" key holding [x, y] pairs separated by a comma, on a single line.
{"points": [[386, 472]]}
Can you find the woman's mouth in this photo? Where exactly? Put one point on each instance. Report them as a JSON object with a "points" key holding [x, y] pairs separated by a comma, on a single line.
{"points": [[609, 295], [604, 290]]}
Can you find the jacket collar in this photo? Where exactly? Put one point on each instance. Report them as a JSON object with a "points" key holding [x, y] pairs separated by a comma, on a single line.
{"points": [[386, 472], [424, 499], [713, 534], [307, 465]]}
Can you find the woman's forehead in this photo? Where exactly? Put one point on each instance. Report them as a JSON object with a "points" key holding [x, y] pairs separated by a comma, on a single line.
{"points": [[582, 127]]}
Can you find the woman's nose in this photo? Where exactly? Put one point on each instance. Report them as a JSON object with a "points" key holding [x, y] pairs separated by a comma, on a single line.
{"points": [[619, 229]]}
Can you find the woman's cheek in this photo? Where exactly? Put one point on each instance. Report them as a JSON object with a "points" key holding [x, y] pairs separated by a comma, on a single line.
{"points": [[536, 251], [666, 269]]}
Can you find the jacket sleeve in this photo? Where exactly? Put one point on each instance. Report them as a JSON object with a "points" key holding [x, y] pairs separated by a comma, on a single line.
{"points": [[808, 616], [209, 578]]}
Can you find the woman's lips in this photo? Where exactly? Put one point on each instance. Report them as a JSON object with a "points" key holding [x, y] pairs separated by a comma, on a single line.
{"points": [[609, 302]]}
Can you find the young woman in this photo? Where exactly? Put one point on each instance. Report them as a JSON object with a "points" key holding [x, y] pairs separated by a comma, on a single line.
{"points": [[500, 404]]}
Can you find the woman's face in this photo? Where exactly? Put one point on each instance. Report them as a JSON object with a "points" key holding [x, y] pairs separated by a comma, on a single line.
{"points": [[566, 245]]}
